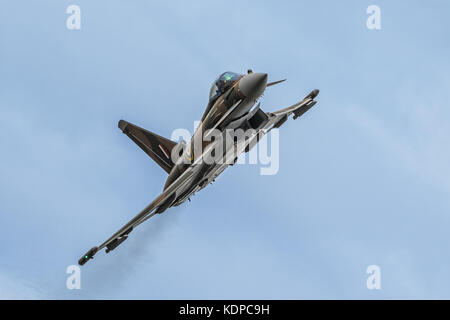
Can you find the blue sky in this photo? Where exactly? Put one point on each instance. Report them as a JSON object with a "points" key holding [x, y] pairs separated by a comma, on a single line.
{"points": [[364, 177]]}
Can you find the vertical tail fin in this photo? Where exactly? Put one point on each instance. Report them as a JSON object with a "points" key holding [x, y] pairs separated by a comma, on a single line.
{"points": [[156, 147]]}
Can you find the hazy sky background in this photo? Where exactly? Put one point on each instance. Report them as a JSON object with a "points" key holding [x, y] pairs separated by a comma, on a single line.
{"points": [[364, 176]]}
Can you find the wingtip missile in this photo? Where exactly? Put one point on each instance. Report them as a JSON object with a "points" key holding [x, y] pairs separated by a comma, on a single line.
{"points": [[88, 256], [313, 94], [122, 124]]}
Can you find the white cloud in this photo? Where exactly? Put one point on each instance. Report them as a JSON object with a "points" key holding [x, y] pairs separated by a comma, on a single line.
{"points": [[12, 288], [416, 134]]}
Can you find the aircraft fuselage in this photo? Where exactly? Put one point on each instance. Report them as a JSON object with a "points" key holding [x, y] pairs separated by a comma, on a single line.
{"points": [[233, 104]]}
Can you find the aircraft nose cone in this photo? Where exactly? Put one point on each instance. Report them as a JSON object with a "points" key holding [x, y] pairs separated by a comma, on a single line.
{"points": [[253, 85]]}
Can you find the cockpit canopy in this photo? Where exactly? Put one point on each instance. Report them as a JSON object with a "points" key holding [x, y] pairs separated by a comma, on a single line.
{"points": [[223, 82]]}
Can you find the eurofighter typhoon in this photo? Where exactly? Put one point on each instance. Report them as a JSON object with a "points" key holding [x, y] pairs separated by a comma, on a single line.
{"points": [[192, 166]]}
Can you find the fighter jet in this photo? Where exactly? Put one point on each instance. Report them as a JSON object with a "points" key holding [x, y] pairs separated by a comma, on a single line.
{"points": [[232, 107]]}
